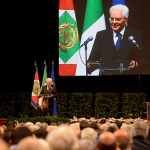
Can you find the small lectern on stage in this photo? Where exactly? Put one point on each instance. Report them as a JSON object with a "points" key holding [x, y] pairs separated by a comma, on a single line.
{"points": [[47, 103]]}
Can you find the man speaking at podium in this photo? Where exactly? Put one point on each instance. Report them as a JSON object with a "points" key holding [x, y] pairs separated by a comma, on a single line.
{"points": [[48, 92], [119, 50]]}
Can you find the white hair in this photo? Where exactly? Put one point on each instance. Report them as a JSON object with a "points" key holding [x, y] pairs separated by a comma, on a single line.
{"points": [[123, 8]]}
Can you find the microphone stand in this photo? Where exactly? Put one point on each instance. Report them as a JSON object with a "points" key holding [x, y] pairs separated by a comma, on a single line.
{"points": [[86, 58]]}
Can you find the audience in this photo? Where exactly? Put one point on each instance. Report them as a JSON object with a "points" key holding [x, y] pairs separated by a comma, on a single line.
{"points": [[82, 134]]}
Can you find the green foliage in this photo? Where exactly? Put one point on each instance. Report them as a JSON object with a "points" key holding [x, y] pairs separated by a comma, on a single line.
{"points": [[47, 119], [99, 105], [80, 105], [106, 105], [7, 102], [24, 107], [133, 104], [62, 104]]}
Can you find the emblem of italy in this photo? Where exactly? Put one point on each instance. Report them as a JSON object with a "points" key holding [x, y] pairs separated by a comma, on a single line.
{"points": [[68, 36], [36, 88]]}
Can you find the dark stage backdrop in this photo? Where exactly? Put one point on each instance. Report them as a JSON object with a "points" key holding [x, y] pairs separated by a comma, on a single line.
{"points": [[30, 33]]}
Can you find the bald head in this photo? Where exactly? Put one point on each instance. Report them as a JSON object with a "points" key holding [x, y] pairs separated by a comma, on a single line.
{"points": [[3, 145], [107, 140], [29, 143], [123, 139]]}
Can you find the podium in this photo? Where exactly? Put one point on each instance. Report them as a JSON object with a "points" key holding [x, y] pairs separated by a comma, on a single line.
{"points": [[47, 102], [111, 67], [46, 96]]}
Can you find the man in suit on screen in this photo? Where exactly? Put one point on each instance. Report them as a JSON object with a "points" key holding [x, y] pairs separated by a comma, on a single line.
{"points": [[119, 50]]}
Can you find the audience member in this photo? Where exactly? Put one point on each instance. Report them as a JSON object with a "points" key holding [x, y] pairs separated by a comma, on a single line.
{"points": [[89, 133], [18, 134], [62, 138], [124, 139], [107, 141], [112, 127], [40, 133], [8, 135], [29, 143], [140, 131], [86, 144], [3, 145]]}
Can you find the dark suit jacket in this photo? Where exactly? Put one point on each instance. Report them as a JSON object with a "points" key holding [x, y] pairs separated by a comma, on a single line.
{"points": [[45, 91], [104, 51], [140, 144]]}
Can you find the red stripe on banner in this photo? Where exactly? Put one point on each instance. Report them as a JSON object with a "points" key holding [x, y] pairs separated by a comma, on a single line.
{"points": [[36, 76], [66, 5], [67, 69], [35, 99]]}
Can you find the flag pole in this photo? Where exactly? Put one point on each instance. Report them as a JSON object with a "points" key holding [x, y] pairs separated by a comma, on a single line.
{"points": [[52, 63], [35, 64], [44, 61]]}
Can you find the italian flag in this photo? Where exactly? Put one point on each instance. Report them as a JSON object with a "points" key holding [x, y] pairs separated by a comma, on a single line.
{"points": [[68, 38], [94, 21], [43, 83], [36, 90]]}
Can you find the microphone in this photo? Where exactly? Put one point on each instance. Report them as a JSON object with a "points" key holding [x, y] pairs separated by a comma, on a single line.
{"points": [[90, 38], [131, 38], [52, 86]]}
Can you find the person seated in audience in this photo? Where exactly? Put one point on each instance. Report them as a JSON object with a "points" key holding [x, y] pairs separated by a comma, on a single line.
{"points": [[112, 127], [76, 129], [86, 144], [90, 133], [118, 123], [3, 145], [124, 139], [29, 143], [107, 141], [140, 131], [18, 134], [40, 133], [104, 127], [62, 138], [8, 135], [83, 124]]}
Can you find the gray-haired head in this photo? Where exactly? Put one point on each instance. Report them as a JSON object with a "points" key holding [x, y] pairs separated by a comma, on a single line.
{"points": [[123, 8]]}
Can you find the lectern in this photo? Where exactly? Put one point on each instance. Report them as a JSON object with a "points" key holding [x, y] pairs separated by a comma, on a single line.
{"points": [[115, 67]]}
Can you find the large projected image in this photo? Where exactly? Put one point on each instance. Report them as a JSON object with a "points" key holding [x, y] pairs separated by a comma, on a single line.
{"points": [[103, 38]]}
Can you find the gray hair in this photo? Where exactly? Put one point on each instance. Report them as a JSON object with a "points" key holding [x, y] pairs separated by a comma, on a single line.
{"points": [[123, 8], [140, 128]]}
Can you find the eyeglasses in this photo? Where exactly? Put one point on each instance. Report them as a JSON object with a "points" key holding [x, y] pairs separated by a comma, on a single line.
{"points": [[117, 19]]}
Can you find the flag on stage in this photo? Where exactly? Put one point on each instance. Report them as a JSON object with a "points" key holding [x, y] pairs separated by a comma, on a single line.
{"points": [[55, 101], [94, 21], [114, 2], [68, 38], [36, 90], [52, 73], [44, 74], [43, 82]]}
